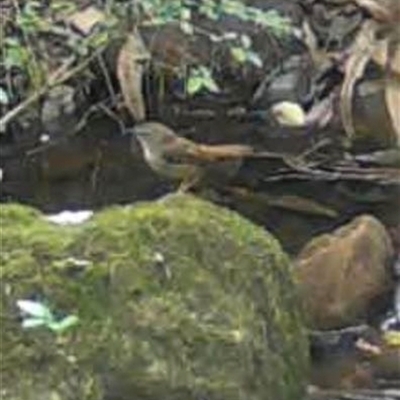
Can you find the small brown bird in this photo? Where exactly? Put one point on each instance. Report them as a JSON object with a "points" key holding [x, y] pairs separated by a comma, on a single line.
{"points": [[184, 160]]}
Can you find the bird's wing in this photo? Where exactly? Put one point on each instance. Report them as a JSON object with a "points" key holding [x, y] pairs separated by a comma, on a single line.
{"points": [[178, 151], [220, 152], [184, 151]]}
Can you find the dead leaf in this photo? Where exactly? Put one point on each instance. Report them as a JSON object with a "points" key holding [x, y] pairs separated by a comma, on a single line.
{"points": [[380, 57], [384, 11], [321, 113], [367, 348], [289, 202], [85, 20], [130, 71], [302, 205], [392, 98], [319, 56], [380, 11], [360, 54]]}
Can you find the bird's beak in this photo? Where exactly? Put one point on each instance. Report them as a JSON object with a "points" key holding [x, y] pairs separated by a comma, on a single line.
{"points": [[139, 130]]}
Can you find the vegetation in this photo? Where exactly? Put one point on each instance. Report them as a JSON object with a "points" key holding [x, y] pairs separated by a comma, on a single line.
{"points": [[176, 298], [28, 26]]}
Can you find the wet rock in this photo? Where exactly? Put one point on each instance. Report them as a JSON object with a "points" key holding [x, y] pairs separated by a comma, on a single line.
{"points": [[374, 128], [176, 299], [336, 360], [345, 371], [355, 357], [342, 273], [386, 366]]}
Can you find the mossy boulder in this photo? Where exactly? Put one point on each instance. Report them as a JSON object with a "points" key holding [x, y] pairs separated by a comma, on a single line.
{"points": [[177, 299]]}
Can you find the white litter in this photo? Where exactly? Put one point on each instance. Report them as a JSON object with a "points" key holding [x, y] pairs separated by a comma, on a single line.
{"points": [[70, 217]]}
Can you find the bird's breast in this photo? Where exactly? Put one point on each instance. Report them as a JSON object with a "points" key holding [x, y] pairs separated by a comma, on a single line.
{"points": [[166, 168]]}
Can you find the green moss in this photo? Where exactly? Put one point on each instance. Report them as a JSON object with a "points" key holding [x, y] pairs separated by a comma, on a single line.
{"points": [[17, 215], [178, 300]]}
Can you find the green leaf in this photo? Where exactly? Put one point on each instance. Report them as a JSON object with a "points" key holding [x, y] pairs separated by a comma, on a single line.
{"points": [[239, 54], [211, 85], [63, 6], [201, 78], [194, 84], [15, 57], [4, 99], [186, 14], [99, 39], [33, 323], [209, 9], [203, 71], [208, 80], [246, 41], [186, 27], [12, 41], [254, 58], [233, 7], [64, 324], [274, 21]]}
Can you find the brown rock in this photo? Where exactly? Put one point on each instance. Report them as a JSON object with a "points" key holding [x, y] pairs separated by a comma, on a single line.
{"points": [[342, 273]]}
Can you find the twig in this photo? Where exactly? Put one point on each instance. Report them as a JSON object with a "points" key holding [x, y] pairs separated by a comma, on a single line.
{"points": [[96, 170], [7, 118], [107, 79], [113, 116], [306, 173]]}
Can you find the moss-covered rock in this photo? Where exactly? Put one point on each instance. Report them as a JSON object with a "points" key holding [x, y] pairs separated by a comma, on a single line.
{"points": [[177, 300]]}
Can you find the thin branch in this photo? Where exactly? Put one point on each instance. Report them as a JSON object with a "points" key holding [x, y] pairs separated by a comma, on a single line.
{"points": [[61, 75], [383, 177], [107, 79]]}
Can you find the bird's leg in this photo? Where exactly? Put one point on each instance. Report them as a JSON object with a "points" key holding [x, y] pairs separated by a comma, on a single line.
{"points": [[188, 182]]}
